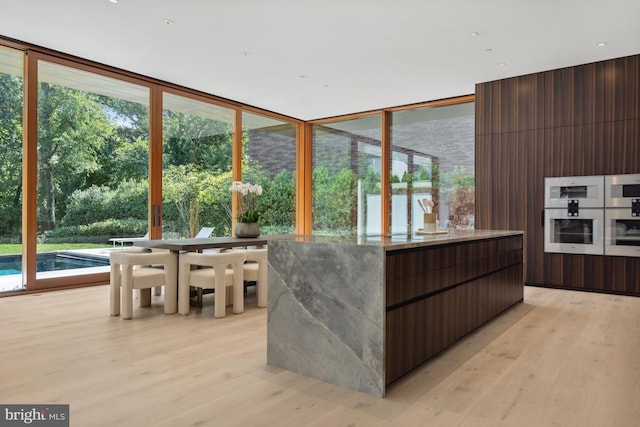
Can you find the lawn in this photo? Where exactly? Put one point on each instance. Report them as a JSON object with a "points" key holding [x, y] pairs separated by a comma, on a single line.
{"points": [[10, 249]]}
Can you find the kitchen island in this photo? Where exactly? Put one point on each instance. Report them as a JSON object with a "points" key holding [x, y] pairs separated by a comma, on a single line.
{"points": [[362, 311]]}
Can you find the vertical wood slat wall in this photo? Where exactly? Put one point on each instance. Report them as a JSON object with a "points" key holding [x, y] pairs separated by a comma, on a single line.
{"points": [[582, 120]]}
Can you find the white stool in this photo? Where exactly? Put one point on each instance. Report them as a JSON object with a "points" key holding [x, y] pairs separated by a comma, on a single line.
{"points": [[216, 275], [144, 277], [255, 270]]}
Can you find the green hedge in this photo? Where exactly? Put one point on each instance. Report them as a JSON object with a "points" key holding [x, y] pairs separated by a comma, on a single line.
{"points": [[97, 232], [95, 204]]}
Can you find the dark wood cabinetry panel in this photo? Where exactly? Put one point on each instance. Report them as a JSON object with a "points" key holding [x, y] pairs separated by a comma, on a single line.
{"points": [[586, 121], [483, 299], [574, 151], [513, 105], [435, 295], [510, 190], [417, 332], [570, 96], [534, 151], [416, 273], [622, 275], [621, 143], [484, 108], [592, 93], [485, 181], [500, 201], [585, 272], [620, 80]]}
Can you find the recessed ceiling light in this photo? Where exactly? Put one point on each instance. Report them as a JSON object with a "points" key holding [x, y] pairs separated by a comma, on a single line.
{"points": [[602, 44], [488, 49], [302, 76], [246, 52], [502, 64], [114, 1], [168, 21], [474, 34]]}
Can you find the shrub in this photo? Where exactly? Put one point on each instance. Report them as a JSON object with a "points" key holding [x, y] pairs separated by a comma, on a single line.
{"points": [[95, 204], [97, 232]]}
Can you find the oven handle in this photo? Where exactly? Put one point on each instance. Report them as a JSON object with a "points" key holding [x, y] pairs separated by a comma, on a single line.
{"points": [[542, 218]]}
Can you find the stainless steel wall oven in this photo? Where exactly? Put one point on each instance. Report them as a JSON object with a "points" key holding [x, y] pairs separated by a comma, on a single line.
{"points": [[574, 215], [622, 217]]}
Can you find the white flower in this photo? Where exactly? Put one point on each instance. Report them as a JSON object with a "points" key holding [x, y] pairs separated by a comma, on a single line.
{"points": [[248, 201]]}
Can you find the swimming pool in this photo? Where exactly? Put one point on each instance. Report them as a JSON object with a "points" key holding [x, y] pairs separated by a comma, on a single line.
{"points": [[52, 261]]}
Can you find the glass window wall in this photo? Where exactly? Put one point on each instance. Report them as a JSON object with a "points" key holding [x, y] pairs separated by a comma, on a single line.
{"points": [[11, 102], [346, 195], [197, 164], [93, 151], [269, 159], [432, 163]]}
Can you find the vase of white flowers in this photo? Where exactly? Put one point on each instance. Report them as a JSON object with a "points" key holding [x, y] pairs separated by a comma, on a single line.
{"points": [[248, 214]]}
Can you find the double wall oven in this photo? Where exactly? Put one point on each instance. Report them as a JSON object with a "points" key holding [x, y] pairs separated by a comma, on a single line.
{"points": [[574, 215], [593, 215], [622, 215]]}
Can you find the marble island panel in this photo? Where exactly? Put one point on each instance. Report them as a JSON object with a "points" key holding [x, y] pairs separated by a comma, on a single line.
{"points": [[326, 312]]}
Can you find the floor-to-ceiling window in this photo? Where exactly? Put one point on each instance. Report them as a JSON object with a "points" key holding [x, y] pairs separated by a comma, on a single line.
{"points": [[10, 168], [92, 169], [432, 162], [197, 162], [269, 159], [346, 173], [99, 174]]}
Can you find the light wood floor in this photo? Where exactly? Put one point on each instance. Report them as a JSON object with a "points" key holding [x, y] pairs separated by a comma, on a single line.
{"points": [[559, 359]]}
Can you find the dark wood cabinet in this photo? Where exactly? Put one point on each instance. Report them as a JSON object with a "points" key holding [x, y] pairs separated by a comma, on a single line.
{"points": [[620, 82], [621, 146], [512, 105], [570, 96], [574, 151], [622, 275], [436, 295], [582, 120]]}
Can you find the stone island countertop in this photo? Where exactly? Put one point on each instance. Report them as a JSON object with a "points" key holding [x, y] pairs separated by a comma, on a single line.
{"points": [[398, 241]]}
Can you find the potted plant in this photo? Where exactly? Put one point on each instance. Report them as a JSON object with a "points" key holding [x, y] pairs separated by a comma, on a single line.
{"points": [[248, 215]]}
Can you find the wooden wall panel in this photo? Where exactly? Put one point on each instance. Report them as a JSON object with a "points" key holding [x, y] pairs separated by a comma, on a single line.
{"points": [[484, 181], [512, 105], [533, 148], [510, 190], [570, 96], [582, 120], [620, 80], [484, 109], [499, 182], [621, 141], [574, 150]]}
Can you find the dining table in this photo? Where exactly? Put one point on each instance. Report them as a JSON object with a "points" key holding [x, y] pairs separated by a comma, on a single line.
{"points": [[198, 245]]}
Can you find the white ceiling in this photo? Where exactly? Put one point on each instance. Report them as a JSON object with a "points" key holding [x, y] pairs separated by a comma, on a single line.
{"points": [[312, 59]]}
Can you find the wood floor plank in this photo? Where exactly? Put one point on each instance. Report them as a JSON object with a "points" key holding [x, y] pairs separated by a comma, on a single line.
{"points": [[560, 358]]}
